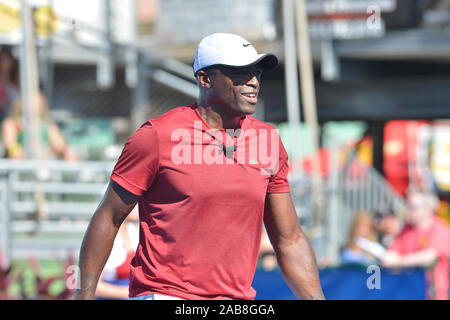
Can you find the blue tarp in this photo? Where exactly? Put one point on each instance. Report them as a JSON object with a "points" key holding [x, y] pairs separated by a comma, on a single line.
{"points": [[348, 283], [345, 283]]}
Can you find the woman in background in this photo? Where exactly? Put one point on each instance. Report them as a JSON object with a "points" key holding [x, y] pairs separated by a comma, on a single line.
{"points": [[362, 244], [53, 143]]}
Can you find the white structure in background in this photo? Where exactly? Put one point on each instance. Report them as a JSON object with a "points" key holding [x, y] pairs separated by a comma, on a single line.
{"points": [[10, 32], [331, 20], [79, 17], [100, 23], [96, 24], [348, 19], [183, 21]]}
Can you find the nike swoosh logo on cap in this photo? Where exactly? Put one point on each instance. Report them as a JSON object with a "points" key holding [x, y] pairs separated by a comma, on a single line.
{"points": [[246, 45]]}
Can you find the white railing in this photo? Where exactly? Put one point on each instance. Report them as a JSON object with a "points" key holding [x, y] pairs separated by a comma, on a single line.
{"points": [[45, 206]]}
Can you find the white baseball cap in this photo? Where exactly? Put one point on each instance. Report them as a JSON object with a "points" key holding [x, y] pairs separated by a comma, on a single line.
{"points": [[230, 50]]}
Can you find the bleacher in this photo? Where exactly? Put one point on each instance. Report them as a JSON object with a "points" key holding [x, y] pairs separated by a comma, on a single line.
{"points": [[46, 205]]}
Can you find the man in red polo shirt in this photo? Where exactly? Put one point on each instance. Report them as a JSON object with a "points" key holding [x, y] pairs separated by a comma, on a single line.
{"points": [[206, 176]]}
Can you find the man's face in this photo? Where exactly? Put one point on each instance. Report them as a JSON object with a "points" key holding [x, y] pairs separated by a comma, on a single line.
{"points": [[235, 90]]}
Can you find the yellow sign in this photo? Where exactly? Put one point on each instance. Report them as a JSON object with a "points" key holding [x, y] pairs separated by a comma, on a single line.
{"points": [[9, 18], [45, 21]]}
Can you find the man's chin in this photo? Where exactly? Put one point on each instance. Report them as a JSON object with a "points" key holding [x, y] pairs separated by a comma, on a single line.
{"points": [[248, 109], [242, 109]]}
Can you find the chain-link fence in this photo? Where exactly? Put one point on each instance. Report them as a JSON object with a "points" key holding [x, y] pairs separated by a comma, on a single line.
{"points": [[92, 119]]}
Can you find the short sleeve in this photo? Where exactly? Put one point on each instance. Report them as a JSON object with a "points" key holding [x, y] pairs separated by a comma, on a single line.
{"points": [[278, 182], [138, 163]]}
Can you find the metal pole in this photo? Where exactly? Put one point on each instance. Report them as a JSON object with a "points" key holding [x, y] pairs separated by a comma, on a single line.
{"points": [[46, 58], [131, 72], [290, 72], [29, 95], [106, 65], [307, 74], [333, 229], [309, 96], [29, 83], [140, 111]]}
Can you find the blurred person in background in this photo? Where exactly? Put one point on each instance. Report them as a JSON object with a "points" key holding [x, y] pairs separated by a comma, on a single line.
{"points": [[53, 142], [423, 242], [9, 84], [114, 280], [388, 226], [362, 243]]}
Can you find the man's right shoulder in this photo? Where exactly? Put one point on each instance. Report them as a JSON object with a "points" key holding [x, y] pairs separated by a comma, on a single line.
{"points": [[172, 118], [163, 124]]}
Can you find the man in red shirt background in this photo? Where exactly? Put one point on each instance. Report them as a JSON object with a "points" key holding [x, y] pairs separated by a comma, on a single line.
{"points": [[423, 242], [206, 177]]}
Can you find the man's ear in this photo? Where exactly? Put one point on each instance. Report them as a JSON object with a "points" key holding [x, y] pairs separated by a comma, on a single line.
{"points": [[203, 79]]}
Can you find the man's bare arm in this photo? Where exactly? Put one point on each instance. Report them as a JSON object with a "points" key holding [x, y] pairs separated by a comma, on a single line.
{"points": [[99, 237], [294, 253]]}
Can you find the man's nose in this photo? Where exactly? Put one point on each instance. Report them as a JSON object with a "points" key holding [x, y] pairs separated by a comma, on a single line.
{"points": [[253, 81]]}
